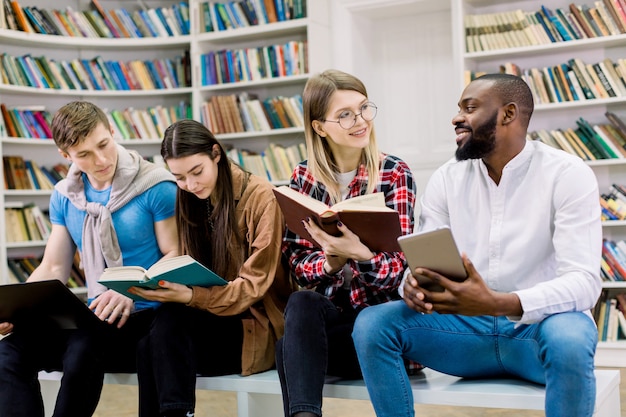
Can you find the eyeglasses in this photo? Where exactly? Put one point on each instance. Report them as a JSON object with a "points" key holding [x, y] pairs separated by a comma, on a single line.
{"points": [[347, 118]]}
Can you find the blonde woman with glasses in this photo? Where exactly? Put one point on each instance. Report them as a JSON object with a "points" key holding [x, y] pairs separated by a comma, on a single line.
{"points": [[345, 276]]}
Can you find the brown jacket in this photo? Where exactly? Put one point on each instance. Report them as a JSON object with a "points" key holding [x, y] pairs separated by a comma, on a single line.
{"points": [[259, 294]]}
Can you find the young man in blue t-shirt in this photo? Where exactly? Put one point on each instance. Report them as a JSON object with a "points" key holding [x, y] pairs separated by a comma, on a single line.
{"points": [[116, 209]]}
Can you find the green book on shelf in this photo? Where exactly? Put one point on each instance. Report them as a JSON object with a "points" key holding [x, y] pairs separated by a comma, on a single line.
{"points": [[594, 138], [180, 269]]}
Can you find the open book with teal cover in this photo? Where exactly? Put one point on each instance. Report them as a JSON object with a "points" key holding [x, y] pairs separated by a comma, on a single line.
{"points": [[181, 269]]}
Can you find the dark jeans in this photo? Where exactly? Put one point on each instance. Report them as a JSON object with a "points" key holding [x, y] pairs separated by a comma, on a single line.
{"points": [[184, 342], [317, 342], [83, 355]]}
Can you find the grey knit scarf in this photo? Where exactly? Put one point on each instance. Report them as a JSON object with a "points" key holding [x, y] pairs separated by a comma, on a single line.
{"points": [[101, 249]]}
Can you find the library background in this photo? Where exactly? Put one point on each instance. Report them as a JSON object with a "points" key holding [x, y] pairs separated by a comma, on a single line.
{"points": [[240, 67]]}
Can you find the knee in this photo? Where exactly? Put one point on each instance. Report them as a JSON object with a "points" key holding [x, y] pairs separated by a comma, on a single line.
{"points": [[303, 305], [560, 332], [372, 326]]}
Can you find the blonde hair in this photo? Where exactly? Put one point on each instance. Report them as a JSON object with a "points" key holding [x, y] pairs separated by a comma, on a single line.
{"points": [[316, 101]]}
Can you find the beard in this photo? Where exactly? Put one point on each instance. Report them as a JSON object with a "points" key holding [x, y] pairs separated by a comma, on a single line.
{"points": [[481, 142]]}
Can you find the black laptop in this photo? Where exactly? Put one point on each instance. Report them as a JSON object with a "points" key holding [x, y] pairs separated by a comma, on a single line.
{"points": [[45, 303]]}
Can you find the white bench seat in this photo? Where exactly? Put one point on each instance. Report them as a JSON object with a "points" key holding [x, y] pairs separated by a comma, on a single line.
{"points": [[260, 395]]}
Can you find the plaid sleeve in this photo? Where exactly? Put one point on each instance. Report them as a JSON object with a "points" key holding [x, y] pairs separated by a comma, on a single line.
{"points": [[380, 276]]}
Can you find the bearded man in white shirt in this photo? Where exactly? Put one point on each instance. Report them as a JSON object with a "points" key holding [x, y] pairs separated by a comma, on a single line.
{"points": [[527, 218]]}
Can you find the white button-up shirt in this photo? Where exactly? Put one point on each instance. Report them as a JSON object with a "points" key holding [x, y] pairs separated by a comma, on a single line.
{"points": [[537, 233]]}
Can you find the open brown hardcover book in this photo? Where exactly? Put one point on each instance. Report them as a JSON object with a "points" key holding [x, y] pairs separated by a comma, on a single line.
{"points": [[367, 216]]}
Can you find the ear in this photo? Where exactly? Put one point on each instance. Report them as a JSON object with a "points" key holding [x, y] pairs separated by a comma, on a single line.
{"points": [[216, 153], [510, 113], [64, 154], [318, 127]]}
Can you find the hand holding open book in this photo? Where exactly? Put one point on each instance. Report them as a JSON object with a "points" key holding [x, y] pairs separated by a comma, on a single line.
{"points": [[367, 216], [180, 269]]}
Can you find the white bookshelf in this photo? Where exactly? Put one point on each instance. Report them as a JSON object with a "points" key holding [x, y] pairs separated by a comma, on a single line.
{"points": [[314, 28], [411, 55], [560, 115]]}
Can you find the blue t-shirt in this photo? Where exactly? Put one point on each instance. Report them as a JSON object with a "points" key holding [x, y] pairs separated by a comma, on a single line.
{"points": [[134, 223]]}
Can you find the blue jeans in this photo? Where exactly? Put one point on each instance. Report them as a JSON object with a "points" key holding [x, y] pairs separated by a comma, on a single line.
{"points": [[558, 352], [317, 341]]}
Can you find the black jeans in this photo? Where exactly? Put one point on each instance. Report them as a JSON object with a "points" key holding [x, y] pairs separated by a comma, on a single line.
{"points": [[317, 342], [83, 355], [184, 342]]}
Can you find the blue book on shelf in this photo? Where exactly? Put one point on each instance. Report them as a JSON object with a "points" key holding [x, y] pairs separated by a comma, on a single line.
{"points": [[171, 70], [545, 26], [36, 70], [233, 14], [154, 74], [567, 70], [148, 22], [32, 121], [184, 27], [553, 81], [159, 13], [21, 127], [33, 20], [128, 21], [120, 83], [33, 176], [27, 73], [218, 19], [53, 179], [556, 23], [230, 62], [184, 13], [280, 10], [211, 68], [94, 82], [248, 9]]}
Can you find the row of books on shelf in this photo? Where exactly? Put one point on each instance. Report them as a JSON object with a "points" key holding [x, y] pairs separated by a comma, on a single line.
{"points": [[21, 268], [613, 203], [25, 122], [218, 16], [25, 174], [609, 314], [95, 73], [276, 162], [97, 22], [25, 222], [246, 113], [33, 122], [149, 123], [518, 28], [252, 64], [588, 141], [573, 80], [613, 263]]}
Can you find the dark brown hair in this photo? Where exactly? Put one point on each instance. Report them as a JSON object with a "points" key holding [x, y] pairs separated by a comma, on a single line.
{"points": [[210, 236]]}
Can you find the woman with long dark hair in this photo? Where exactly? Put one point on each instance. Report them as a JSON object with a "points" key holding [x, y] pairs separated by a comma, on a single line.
{"points": [[229, 221]]}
